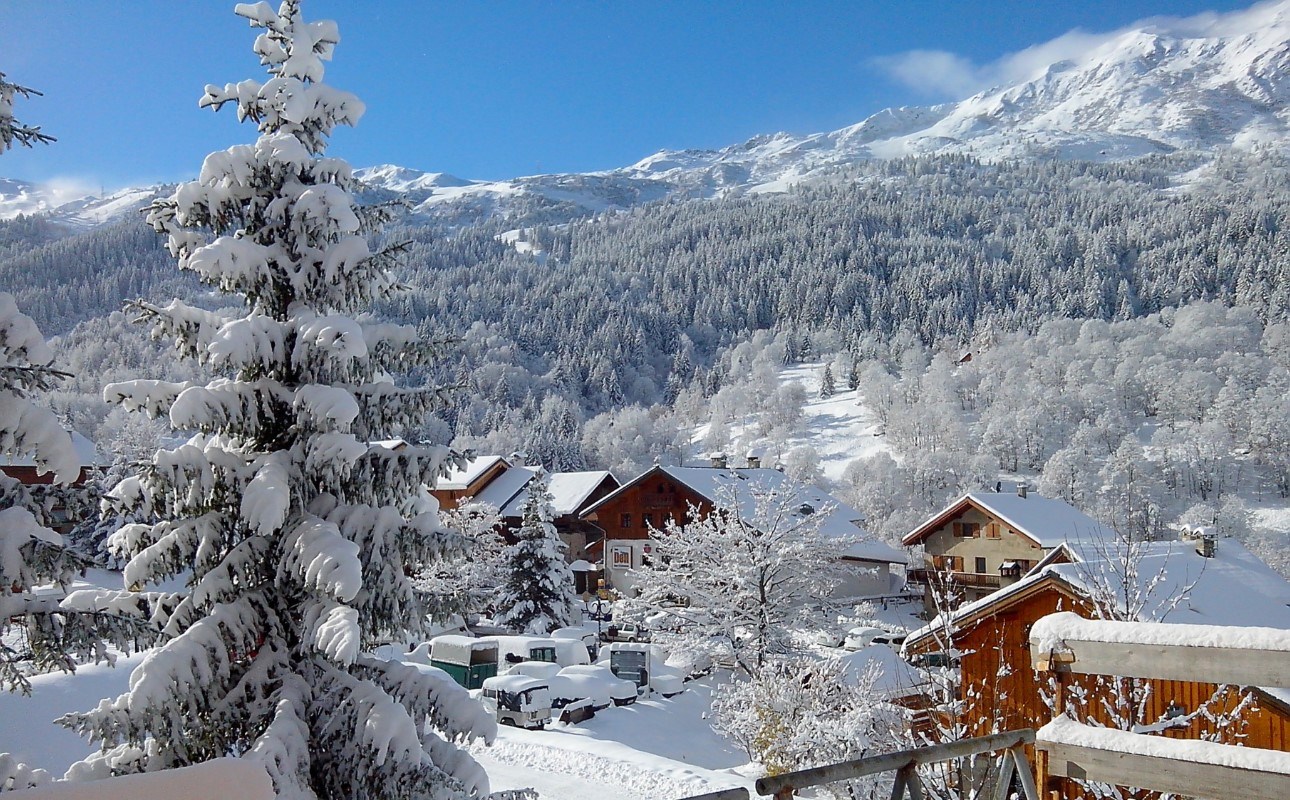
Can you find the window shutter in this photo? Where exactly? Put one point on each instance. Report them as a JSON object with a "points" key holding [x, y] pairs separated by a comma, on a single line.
{"points": [[958, 530]]}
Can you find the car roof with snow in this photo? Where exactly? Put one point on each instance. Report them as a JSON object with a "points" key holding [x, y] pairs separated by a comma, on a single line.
{"points": [[514, 683]]}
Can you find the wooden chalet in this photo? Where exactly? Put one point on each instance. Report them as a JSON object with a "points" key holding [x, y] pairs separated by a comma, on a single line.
{"points": [[24, 470], [984, 541], [466, 483], [630, 517], [990, 640], [497, 482]]}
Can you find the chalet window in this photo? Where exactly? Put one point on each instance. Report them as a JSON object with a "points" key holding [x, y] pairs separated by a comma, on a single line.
{"points": [[965, 530], [992, 530], [647, 521], [625, 521], [952, 563], [980, 565]]}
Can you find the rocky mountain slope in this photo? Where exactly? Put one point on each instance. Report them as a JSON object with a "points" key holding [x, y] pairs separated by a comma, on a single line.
{"points": [[1171, 85]]}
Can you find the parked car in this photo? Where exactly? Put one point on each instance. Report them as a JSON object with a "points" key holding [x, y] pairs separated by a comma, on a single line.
{"points": [[543, 670], [622, 692], [571, 651], [514, 649], [518, 700], [626, 632], [861, 637], [566, 689], [587, 636], [891, 639]]}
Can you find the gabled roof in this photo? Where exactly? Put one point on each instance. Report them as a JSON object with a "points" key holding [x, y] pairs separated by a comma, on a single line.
{"points": [[461, 479], [569, 490], [502, 489], [1234, 588], [1044, 520], [717, 485]]}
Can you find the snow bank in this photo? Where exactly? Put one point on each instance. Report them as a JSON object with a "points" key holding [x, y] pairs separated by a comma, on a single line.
{"points": [[213, 780], [1065, 730], [1051, 631]]}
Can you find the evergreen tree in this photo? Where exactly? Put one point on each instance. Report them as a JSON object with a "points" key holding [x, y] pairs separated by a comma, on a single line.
{"points": [[538, 594], [298, 529], [36, 634], [11, 130], [853, 375], [827, 389]]}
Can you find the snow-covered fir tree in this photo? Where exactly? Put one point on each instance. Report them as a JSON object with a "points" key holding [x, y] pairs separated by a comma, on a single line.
{"points": [[11, 130], [295, 519], [827, 387], [36, 633], [537, 596]]}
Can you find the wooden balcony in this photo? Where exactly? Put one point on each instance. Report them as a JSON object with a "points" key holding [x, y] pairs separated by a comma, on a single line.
{"points": [[922, 575]]}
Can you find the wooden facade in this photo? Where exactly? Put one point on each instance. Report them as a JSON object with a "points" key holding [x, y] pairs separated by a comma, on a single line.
{"points": [[628, 519], [451, 498], [1005, 693], [978, 551]]}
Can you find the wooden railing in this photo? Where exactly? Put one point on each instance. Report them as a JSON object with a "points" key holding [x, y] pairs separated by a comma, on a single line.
{"points": [[905, 763], [1062, 644]]}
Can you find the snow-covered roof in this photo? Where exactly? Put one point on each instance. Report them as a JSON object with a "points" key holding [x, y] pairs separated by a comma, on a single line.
{"points": [[85, 451], [875, 550], [898, 677], [460, 479], [717, 485], [569, 490], [1233, 588], [1045, 520], [503, 489]]}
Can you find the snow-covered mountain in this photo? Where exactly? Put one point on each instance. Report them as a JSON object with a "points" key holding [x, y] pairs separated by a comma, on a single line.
{"points": [[1200, 84], [73, 207]]}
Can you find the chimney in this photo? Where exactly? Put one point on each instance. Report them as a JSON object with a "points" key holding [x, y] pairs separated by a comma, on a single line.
{"points": [[718, 460], [1022, 489], [754, 462]]}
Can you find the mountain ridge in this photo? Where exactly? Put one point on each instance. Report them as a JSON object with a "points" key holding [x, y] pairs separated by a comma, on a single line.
{"points": [[1164, 87]]}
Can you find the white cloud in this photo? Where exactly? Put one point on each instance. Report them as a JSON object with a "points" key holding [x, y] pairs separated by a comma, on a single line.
{"points": [[66, 189], [946, 75]]}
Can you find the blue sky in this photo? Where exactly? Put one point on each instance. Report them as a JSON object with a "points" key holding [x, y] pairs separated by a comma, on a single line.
{"points": [[506, 88]]}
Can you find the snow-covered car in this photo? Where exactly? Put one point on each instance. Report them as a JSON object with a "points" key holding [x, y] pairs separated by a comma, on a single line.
{"points": [[566, 689], [645, 665], [535, 669], [622, 692], [861, 637], [668, 684], [892, 639], [588, 636], [626, 632], [571, 651], [517, 700]]}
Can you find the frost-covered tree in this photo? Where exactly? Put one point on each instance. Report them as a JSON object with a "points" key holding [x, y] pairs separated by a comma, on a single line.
{"points": [[295, 519], [796, 713], [36, 633], [11, 130], [750, 570], [827, 386], [467, 582], [537, 596]]}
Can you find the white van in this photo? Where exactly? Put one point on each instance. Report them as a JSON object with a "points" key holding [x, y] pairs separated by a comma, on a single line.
{"points": [[518, 700]]}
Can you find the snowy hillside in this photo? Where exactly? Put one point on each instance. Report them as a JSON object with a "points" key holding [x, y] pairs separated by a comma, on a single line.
{"points": [[840, 429], [1192, 85]]}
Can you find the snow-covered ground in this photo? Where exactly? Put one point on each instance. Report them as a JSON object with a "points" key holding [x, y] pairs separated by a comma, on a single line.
{"points": [[654, 748]]}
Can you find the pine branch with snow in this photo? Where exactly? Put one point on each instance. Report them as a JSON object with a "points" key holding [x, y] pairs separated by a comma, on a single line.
{"points": [[296, 516], [11, 130]]}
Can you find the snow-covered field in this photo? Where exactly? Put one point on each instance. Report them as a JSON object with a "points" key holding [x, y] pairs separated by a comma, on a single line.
{"points": [[654, 748]]}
